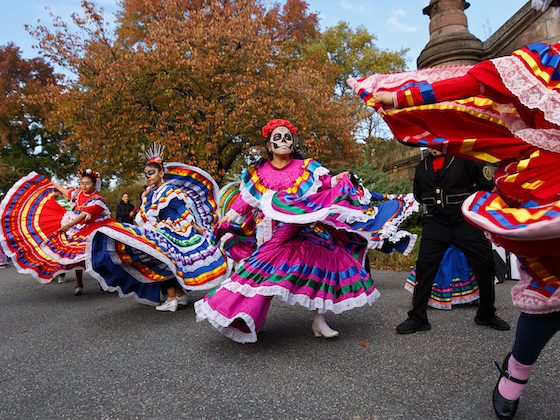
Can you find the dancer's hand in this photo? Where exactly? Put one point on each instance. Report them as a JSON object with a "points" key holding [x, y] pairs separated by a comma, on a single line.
{"points": [[383, 98], [64, 228], [146, 192], [62, 190], [340, 175]]}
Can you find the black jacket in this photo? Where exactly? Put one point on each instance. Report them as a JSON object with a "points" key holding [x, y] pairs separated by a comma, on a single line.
{"points": [[444, 191], [123, 212]]}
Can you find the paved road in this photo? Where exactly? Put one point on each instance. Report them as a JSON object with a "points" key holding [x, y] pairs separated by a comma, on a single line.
{"points": [[98, 356]]}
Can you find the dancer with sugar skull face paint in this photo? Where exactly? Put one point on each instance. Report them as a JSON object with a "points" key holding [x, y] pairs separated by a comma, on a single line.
{"points": [[310, 233], [170, 250]]}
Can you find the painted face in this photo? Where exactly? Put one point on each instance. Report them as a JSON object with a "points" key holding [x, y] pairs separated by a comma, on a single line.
{"points": [[154, 176], [281, 141], [87, 185]]}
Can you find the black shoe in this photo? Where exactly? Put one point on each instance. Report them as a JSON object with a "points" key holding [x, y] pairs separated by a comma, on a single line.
{"points": [[505, 409], [494, 322], [412, 325]]}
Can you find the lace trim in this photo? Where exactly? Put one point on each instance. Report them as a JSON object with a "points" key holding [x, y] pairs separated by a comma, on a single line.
{"points": [[390, 81], [529, 301], [222, 323], [264, 230], [317, 183], [319, 304], [547, 139], [527, 88]]}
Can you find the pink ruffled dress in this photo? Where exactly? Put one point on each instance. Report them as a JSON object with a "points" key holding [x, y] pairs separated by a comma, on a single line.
{"points": [[309, 259]]}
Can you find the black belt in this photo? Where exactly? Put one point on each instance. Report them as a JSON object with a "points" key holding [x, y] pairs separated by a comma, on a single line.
{"points": [[449, 199]]}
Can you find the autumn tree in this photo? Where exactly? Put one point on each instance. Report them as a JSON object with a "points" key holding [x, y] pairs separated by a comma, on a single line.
{"points": [[201, 77], [354, 53], [25, 142]]}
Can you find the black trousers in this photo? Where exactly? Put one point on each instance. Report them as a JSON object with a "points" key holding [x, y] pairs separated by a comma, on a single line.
{"points": [[533, 332], [437, 236]]}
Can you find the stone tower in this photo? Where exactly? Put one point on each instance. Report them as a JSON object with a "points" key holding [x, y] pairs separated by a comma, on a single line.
{"points": [[450, 40]]}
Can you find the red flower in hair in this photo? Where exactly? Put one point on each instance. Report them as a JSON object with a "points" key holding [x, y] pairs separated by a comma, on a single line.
{"points": [[90, 172], [156, 159], [272, 124]]}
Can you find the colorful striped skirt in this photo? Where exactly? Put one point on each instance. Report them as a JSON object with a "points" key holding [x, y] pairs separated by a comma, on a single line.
{"points": [[300, 265], [454, 284]]}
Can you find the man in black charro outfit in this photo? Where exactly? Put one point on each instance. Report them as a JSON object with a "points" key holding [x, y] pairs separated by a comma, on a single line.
{"points": [[442, 183]]}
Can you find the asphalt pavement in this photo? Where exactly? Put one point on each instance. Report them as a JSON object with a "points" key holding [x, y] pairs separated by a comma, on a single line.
{"points": [[99, 356]]}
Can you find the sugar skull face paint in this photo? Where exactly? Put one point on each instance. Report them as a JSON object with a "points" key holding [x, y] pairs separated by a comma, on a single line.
{"points": [[281, 141], [154, 176]]}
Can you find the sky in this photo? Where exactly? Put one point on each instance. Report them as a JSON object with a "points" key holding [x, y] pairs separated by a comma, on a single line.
{"points": [[396, 24]]}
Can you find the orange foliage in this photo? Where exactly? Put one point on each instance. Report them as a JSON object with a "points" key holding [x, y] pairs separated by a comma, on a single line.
{"points": [[200, 76]]}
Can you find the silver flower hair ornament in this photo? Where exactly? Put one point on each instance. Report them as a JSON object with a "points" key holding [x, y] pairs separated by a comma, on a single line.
{"points": [[155, 153]]}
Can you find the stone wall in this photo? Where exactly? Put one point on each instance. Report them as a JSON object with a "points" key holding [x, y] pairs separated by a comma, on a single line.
{"points": [[525, 27]]}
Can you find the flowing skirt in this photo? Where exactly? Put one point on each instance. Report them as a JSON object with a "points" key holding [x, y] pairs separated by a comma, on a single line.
{"points": [[139, 261], [31, 218], [454, 284], [304, 265]]}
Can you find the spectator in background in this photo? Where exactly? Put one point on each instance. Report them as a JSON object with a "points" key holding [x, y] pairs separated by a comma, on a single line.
{"points": [[125, 210]]}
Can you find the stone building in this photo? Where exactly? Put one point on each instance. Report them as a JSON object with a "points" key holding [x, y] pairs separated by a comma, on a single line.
{"points": [[451, 43]]}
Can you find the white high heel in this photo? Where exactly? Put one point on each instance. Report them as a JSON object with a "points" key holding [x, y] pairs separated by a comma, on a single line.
{"points": [[320, 327]]}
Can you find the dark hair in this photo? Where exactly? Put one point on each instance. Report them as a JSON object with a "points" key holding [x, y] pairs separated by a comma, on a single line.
{"points": [[91, 177], [154, 165]]}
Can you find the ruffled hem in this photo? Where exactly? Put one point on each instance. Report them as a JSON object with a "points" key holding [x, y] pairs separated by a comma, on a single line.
{"points": [[535, 231], [530, 301], [223, 324], [533, 303], [319, 304], [389, 232], [149, 250], [344, 214], [63, 260], [411, 241], [117, 289], [530, 92], [444, 306], [4, 242]]}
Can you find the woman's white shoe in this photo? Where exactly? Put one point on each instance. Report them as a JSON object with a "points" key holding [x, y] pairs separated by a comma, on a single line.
{"points": [[321, 328], [168, 305]]}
